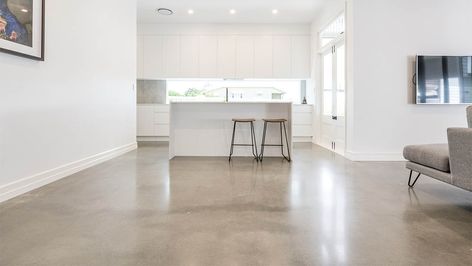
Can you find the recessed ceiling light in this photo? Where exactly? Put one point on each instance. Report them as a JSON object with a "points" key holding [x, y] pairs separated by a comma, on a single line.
{"points": [[165, 11], [275, 11], [232, 11], [190, 12], [24, 10]]}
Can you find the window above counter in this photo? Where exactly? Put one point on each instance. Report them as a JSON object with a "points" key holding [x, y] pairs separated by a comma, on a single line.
{"points": [[236, 90]]}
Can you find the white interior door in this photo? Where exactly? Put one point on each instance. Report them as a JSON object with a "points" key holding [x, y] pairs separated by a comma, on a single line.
{"points": [[333, 98]]}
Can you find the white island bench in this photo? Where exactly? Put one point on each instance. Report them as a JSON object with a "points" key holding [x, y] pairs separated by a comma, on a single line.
{"points": [[205, 128]]}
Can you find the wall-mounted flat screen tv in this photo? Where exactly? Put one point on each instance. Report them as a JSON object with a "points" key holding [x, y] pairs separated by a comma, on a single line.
{"points": [[443, 79]]}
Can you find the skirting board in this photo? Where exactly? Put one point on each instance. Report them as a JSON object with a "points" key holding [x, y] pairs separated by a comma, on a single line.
{"points": [[153, 139], [33, 182], [302, 139], [374, 157]]}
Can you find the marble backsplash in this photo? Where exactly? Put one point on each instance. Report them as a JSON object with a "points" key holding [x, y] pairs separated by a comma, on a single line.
{"points": [[151, 91]]}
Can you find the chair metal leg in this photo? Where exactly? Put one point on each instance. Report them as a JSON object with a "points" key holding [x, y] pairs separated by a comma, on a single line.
{"points": [[261, 157], [232, 142], [288, 145], [414, 182]]}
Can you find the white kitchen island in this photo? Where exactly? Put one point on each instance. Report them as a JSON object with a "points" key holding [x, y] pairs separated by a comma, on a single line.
{"points": [[205, 128]]}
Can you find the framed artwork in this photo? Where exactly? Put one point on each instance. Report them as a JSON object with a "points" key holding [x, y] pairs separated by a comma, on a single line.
{"points": [[22, 28]]}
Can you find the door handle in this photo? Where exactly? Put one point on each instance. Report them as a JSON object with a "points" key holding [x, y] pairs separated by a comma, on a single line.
{"points": [[334, 117]]}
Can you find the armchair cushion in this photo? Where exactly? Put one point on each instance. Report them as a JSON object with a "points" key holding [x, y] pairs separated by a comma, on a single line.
{"points": [[432, 155]]}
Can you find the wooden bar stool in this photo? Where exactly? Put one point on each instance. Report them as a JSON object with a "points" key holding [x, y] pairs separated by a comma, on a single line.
{"points": [[281, 122], [253, 144]]}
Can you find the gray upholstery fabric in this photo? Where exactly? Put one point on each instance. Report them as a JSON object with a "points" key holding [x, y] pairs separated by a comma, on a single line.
{"points": [[424, 170], [432, 155], [469, 116], [460, 145]]}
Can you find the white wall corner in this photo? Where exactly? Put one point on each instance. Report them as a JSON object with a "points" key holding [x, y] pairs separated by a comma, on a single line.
{"points": [[35, 181]]}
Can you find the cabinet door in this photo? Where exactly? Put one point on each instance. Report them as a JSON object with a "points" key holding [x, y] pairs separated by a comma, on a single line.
{"points": [[263, 62], [208, 46], [140, 58], [145, 118], [226, 56], [282, 57], [245, 57], [189, 49], [301, 57], [152, 57], [171, 50]]}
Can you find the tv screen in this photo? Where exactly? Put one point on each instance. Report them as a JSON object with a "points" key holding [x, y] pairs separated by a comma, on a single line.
{"points": [[443, 79]]}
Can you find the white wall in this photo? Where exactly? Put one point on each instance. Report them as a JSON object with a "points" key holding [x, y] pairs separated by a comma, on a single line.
{"points": [[77, 104], [386, 35]]}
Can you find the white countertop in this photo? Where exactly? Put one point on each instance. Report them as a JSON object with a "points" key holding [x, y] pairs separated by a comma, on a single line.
{"points": [[200, 102], [248, 102]]}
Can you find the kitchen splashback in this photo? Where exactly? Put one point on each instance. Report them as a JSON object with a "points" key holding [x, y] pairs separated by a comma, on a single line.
{"points": [[151, 91]]}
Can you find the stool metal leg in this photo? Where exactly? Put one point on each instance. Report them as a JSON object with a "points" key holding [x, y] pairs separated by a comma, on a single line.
{"points": [[288, 145], [254, 142], [261, 157], [232, 141], [281, 140]]}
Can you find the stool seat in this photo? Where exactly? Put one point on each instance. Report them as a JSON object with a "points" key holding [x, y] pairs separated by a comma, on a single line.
{"points": [[244, 120], [275, 120]]}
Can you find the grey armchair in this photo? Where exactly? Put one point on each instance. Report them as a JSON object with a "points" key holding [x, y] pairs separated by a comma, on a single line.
{"points": [[450, 163]]}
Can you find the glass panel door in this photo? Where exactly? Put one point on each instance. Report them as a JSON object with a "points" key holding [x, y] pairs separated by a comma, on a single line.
{"points": [[328, 84], [334, 97], [340, 80]]}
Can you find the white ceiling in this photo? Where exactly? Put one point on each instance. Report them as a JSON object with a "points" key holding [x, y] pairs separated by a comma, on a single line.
{"points": [[217, 11]]}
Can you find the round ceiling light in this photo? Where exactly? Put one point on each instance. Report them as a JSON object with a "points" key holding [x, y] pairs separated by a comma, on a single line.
{"points": [[165, 11]]}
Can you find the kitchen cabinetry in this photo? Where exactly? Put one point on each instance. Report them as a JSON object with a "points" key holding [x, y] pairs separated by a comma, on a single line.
{"points": [[189, 56], [207, 56], [300, 61], [140, 57], [245, 57], [282, 56], [302, 122], [263, 57], [153, 120], [224, 56], [153, 57]]}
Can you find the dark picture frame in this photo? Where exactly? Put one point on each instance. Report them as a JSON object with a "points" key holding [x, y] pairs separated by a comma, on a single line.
{"points": [[34, 48]]}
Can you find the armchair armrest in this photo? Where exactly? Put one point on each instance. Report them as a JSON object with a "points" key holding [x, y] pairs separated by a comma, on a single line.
{"points": [[460, 156]]}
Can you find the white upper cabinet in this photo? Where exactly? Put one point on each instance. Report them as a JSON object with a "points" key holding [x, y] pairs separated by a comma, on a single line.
{"points": [[208, 65], [140, 58], [245, 57], [153, 60], [301, 57], [263, 62], [282, 57], [171, 50], [226, 56], [223, 56], [189, 56]]}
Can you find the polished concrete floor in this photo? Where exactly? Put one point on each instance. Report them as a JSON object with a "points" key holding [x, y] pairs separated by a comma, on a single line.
{"points": [[141, 209]]}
